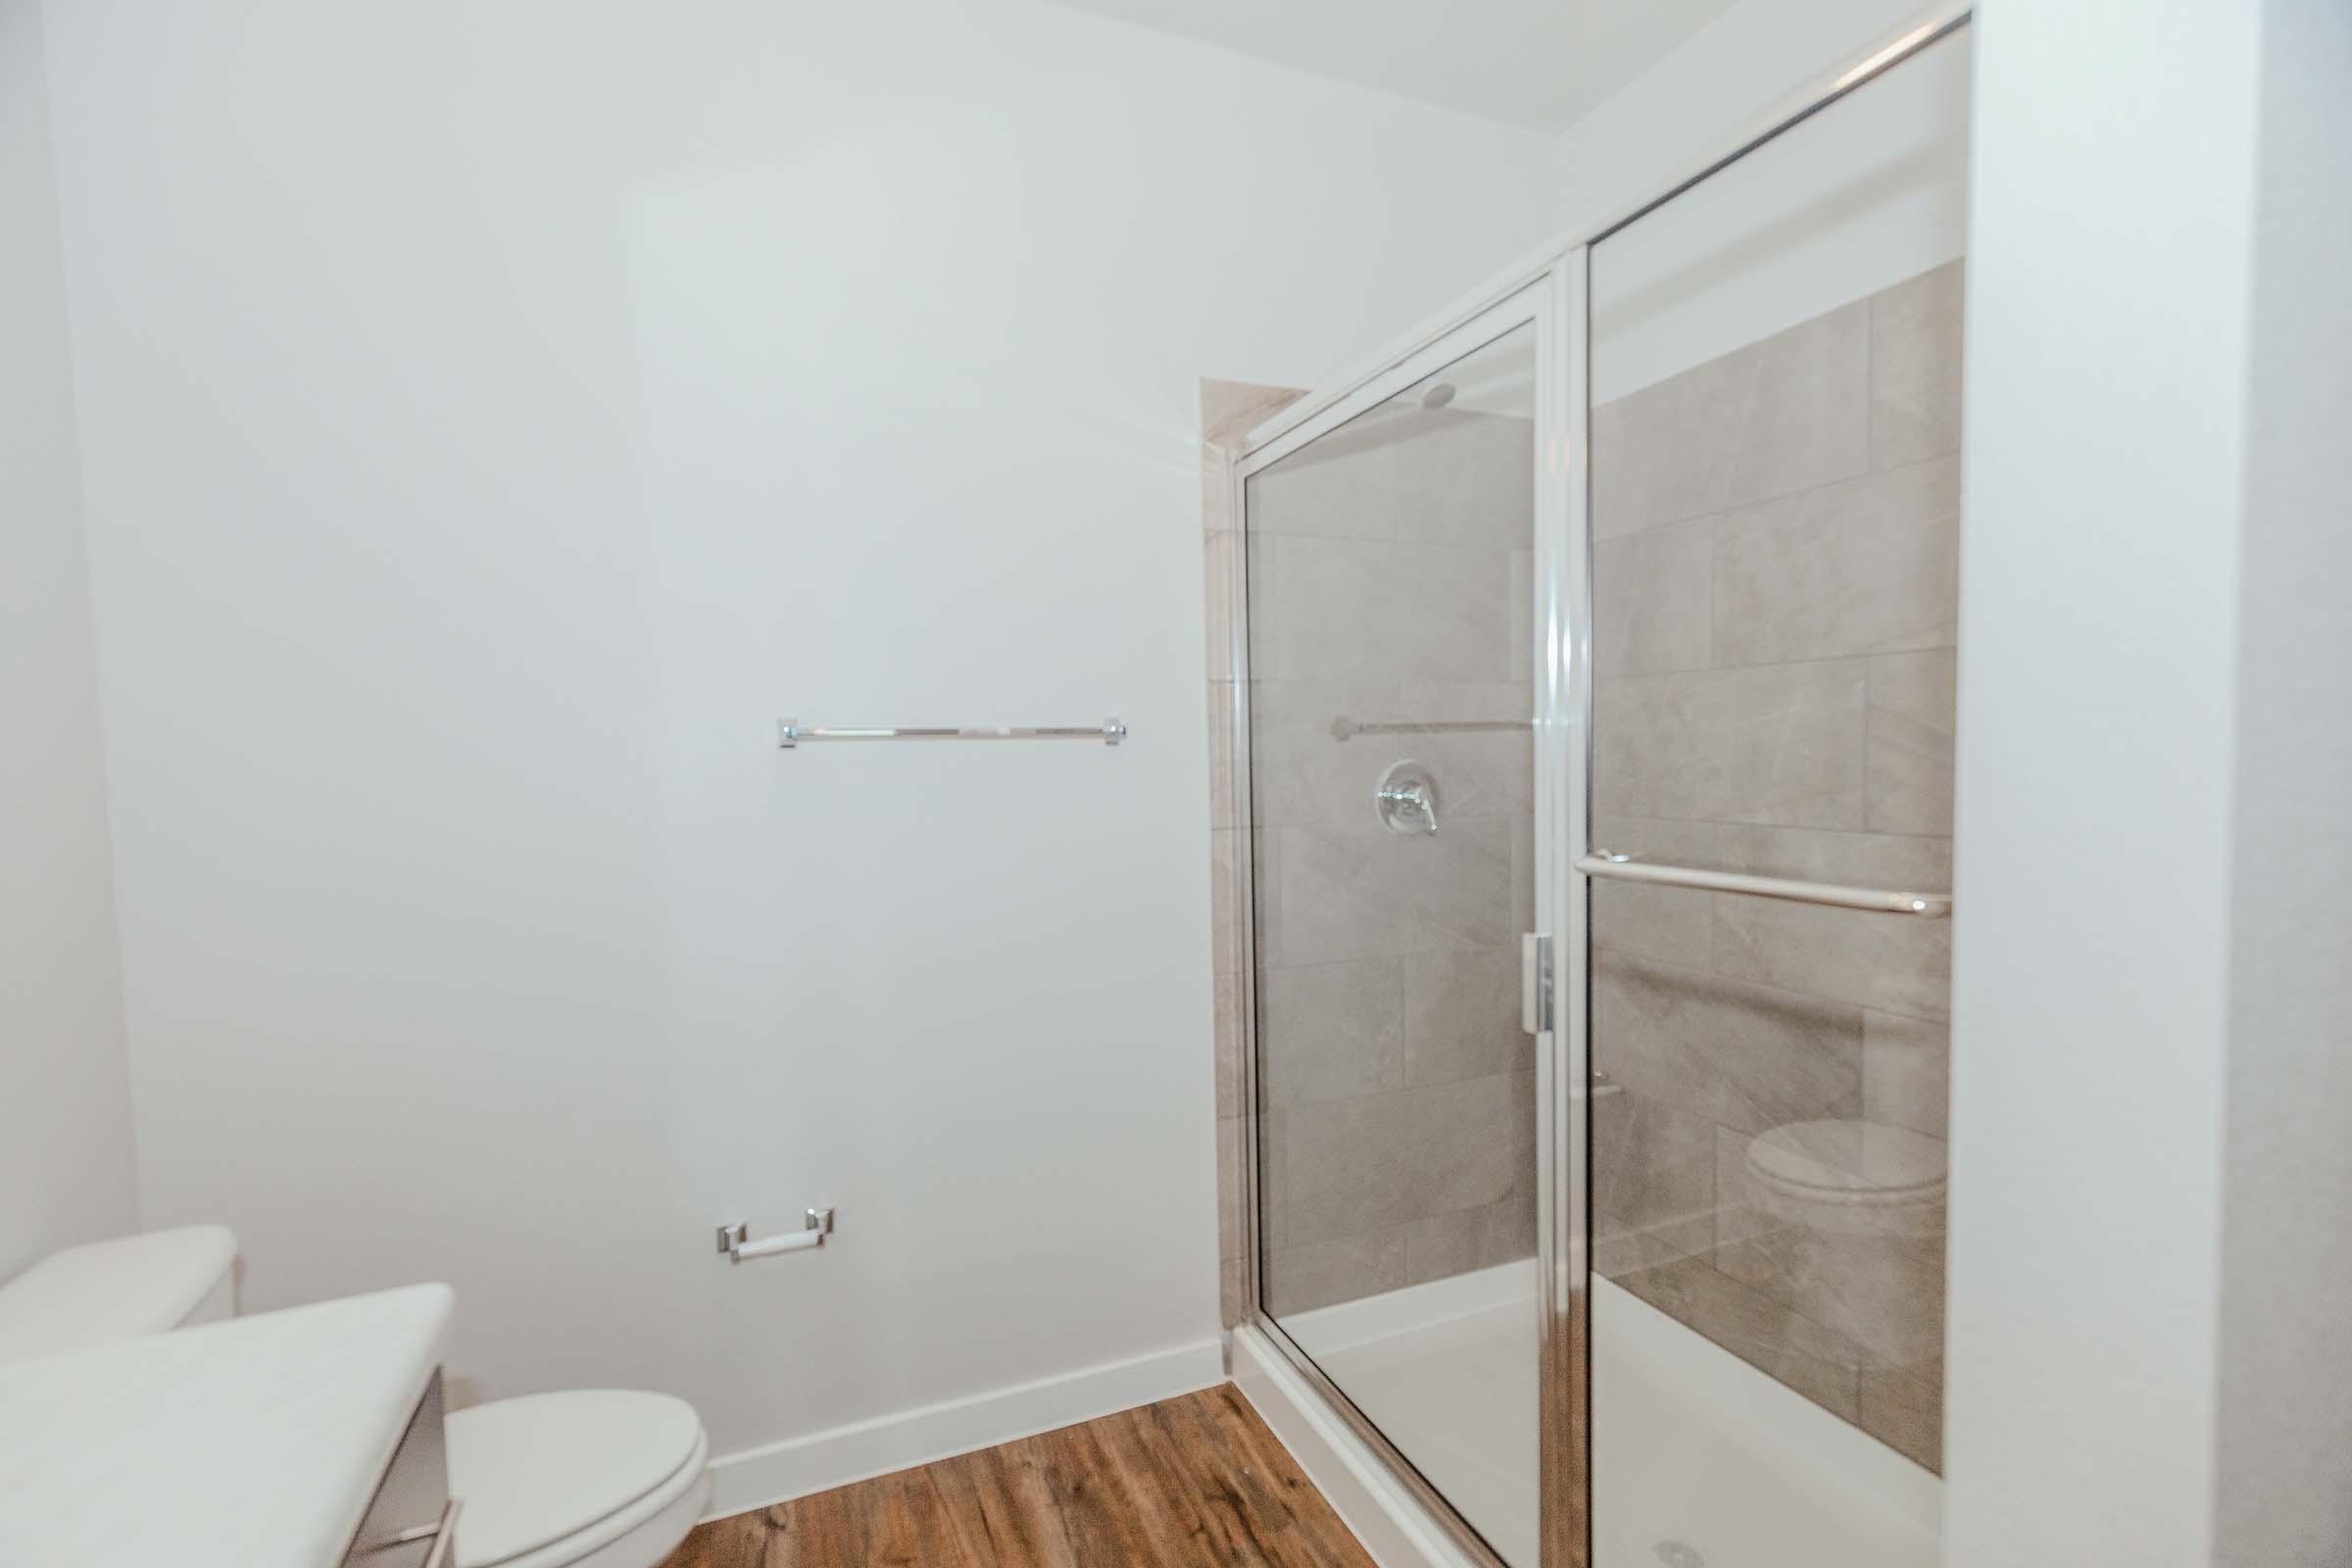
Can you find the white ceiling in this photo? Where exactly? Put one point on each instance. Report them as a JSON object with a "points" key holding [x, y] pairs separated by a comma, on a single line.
{"points": [[1541, 64]]}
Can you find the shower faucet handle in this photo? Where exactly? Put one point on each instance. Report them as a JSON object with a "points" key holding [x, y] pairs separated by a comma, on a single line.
{"points": [[1406, 798], [1411, 800]]}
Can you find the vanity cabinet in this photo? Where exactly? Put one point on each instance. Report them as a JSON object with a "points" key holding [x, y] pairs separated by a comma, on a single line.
{"points": [[412, 1520]]}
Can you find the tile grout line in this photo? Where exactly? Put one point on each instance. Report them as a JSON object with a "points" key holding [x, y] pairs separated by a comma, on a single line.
{"points": [[1775, 664], [1712, 973], [1718, 514]]}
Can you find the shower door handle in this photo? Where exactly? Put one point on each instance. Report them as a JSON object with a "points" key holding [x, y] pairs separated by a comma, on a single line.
{"points": [[1534, 983]]}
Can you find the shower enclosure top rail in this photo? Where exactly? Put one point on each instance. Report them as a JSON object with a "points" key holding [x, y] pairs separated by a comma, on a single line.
{"points": [[1624, 868], [1342, 726], [791, 732], [1292, 426]]}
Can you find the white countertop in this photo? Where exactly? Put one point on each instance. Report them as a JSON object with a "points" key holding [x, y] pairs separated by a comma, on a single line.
{"points": [[252, 1444]]}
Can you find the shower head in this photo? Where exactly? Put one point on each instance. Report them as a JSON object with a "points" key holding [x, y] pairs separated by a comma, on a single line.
{"points": [[1436, 397]]}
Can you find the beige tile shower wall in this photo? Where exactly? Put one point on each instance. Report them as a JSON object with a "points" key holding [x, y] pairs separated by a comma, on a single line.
{"points": [[1387, 569], [1776, 579], [1228, 409]]}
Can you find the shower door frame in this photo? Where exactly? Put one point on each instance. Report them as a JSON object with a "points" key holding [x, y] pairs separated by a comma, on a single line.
{"points": [[1548, 303], [1551, 289]]}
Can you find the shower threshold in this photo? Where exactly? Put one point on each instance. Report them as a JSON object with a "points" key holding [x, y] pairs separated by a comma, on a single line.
{"points": [[1699, 1458]]}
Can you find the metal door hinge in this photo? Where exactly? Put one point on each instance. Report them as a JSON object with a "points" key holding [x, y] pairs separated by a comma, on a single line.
{"points": [[1534, 983]]}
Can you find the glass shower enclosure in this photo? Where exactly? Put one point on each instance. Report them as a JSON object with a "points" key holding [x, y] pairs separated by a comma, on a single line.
{"points": [[1392, 698], [1598, 662]]}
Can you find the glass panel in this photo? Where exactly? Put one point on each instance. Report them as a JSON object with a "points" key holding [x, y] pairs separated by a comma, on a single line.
{"points": [[1388, 617], [1775, 531]]}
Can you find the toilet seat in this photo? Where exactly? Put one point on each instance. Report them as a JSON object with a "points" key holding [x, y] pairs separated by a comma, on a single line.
{"points": [[609, 1477]]}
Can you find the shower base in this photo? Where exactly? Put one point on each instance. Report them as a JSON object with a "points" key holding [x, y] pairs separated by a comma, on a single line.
{"points": [[1700, 1460]]}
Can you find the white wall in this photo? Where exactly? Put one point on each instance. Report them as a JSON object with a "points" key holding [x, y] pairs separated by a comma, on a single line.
{"points": [[2109, 251], [64, 1096], [2284, 1490], [1851, 202], [1691, 107], [1739, 74], [495, 416]]}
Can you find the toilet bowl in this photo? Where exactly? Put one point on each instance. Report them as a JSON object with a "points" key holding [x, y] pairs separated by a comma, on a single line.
{"points": [[587, 1478]]}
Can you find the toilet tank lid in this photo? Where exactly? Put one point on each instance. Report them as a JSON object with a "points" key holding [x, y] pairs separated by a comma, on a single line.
{"points": [[116, 1290]]}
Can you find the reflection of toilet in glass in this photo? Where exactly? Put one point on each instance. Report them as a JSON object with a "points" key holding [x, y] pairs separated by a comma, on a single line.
{"points": [[1852, 1231]]}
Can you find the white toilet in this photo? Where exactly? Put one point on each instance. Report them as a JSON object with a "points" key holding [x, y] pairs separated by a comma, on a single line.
{"points": [[605, 1477], [589, 1478]]}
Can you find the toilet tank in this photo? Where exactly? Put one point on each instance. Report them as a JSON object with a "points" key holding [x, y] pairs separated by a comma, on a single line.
{"points": [[119, 1290]]}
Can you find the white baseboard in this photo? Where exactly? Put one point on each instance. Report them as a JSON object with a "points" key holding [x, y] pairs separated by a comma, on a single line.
{"points": [[1393, 1526], [755, 1478]]}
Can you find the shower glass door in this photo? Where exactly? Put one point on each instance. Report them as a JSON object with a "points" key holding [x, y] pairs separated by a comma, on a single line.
{"points": [[1773, 517], [1392, 689]]}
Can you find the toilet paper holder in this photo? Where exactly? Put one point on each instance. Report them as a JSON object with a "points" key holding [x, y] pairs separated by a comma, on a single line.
{"points": [[735, 1240]]}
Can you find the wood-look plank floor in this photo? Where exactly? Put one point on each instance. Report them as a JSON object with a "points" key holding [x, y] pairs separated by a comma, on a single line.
{"points": [[1187, 1483]]}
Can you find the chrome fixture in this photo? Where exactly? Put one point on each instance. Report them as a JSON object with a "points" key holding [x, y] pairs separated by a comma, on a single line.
{"points": [[1406, 798], [735, 1240], [442, 1532], [445, 1536], [1534, 983], [791, 732], [1625, 869], [1343, 728]]}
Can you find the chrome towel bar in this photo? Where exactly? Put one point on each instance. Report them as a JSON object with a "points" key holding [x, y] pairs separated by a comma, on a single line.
{"points": [[1342, 726], [791, 732], [1625, 869]]}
